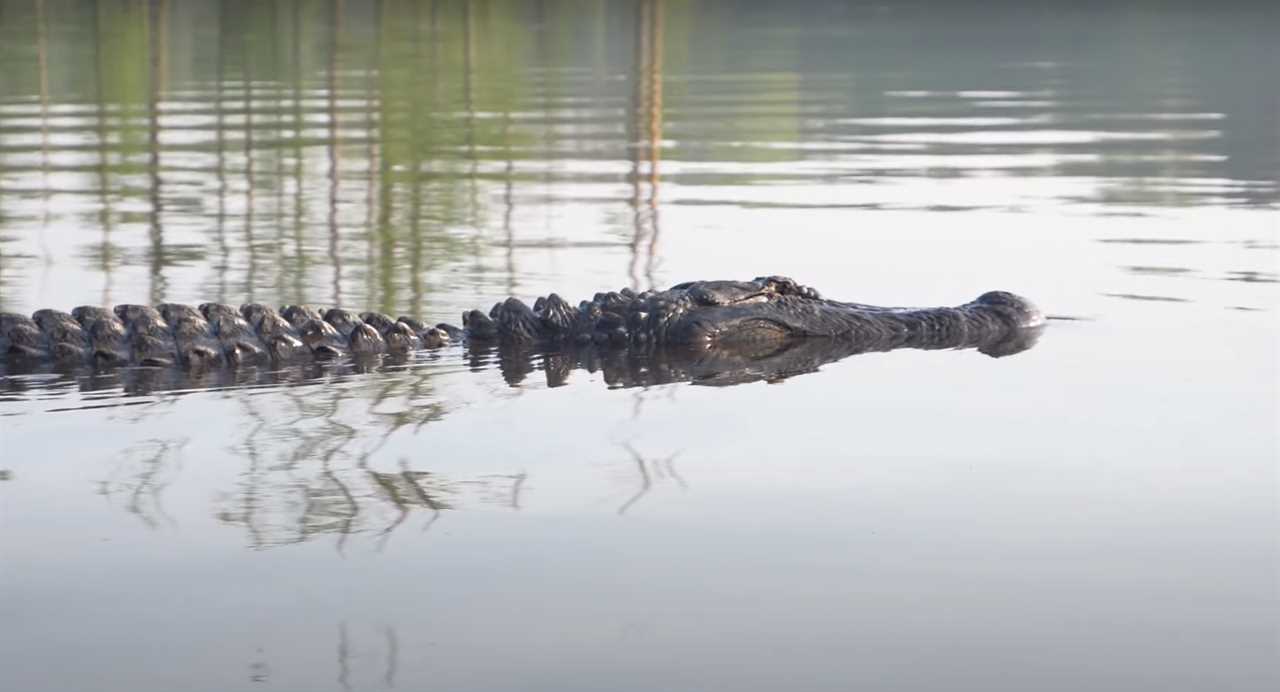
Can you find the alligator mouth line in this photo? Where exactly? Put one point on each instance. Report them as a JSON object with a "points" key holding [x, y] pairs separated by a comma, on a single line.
{"points": [[757, 331]]}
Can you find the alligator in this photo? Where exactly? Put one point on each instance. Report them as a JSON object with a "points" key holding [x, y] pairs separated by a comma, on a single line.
{"points": [[704, 330]]}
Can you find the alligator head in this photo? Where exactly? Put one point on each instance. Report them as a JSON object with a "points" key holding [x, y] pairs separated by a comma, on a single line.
{"points": [[711, 314]]}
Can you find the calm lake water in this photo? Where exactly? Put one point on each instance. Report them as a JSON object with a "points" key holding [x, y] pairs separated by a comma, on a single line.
{"points": [[1099, 512]]}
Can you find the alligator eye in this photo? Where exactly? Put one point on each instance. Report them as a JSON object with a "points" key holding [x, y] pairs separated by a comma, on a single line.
{"points": [[999, 298]]}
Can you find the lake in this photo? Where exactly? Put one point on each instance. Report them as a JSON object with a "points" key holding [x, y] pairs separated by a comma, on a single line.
{"points": [[1098, 512]]}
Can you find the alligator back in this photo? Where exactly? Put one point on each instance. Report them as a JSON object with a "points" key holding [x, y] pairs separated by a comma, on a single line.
{"points": [[211, 335]]}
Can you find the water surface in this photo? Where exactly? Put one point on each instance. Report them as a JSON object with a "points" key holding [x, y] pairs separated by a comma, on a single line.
{"points": [[1099, 512]]}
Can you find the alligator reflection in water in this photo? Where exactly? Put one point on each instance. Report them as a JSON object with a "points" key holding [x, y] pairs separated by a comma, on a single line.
{"points": [[721, 366]]}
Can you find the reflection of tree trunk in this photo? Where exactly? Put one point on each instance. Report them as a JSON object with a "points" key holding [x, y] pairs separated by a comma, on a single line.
{"points": [[661, 466], [393, 656], [646, 480], [220, 169], [516, 489], [253, 479], [334, 254], [421, 494], [246, 73], [277, 132], [105, 214], [508, 203], [655, 132], [415, 175], [344, 656], [42, 64], [156, 21], [380, 188], [468, 104], [299, 205], [639, 45], [543, 58], [644, 136], [146, 488], [393, 495]]}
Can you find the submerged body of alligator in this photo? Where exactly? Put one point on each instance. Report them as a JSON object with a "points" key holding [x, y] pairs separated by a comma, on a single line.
{"points": [[712, 327]]}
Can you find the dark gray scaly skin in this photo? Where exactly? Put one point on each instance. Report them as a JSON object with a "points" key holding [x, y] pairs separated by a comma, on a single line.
{"points": [[721, 320], [767, 309]]}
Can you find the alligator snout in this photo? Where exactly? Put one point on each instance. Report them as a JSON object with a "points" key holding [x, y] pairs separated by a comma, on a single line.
{"points": [[1022, 313]]}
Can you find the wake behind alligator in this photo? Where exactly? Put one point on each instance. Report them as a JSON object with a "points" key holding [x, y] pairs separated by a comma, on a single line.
{"points": [[711, 332]]}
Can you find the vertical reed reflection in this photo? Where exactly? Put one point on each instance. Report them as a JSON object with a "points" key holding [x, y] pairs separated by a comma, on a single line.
{"points": [[655, 132], [393, 655], [156, 25], [508, 202], [380, 190], [477, 115], [649, 470], [220, 165], [335, 255], [106, 215], [418, 65], [644, 135], [246, 79], [42, 59], [469, 133], [277, 158], [299, 270], [344, 657], [42, 62]]}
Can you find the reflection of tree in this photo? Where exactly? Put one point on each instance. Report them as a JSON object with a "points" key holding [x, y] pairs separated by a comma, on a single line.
{"points": [[300, 268], [42, 60], [220, 168], [310, 471], [247, 104], [650, 470], [348, 662], [366, 655], [380, 242], [454, 93], [645, 136], [140, 479], [106, 216], [427, 144], [156, 52], [344, 657], [331, 100]]}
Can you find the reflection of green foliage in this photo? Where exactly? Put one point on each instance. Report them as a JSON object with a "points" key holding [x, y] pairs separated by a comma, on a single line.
{"points": [[18, 49], [432, 101], [122, 33], [122, 70]]}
